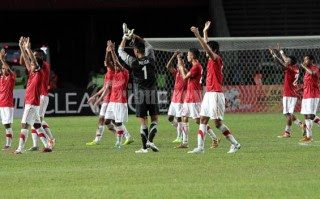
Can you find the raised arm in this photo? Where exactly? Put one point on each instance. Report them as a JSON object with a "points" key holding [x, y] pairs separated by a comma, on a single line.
{"points": [[169, 64], [183, 71], [205, 31], [123, 55], [149, 51], [5, 65], [26, 60], [34, 64], [308, 70], [107, 59], [204, 45], [277, 59], [283, 55], [114, 56]]}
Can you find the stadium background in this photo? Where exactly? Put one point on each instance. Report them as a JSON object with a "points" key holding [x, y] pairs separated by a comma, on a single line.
{"points": [[77, 33]]}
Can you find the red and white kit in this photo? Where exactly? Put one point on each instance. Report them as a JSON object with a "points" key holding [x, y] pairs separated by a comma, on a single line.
{"points": [[32, 98], [178, 95], [6, 98], [106, 99], [213, 104], [118, 109], [311, 93], [192, 102], [290, 96]]}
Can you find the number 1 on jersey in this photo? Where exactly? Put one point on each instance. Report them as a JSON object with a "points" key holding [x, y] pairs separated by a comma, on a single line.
{"points": [[145, 72]]}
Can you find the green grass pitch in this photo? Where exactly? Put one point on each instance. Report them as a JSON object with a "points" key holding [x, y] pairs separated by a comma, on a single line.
{"points": [[265, 166]]}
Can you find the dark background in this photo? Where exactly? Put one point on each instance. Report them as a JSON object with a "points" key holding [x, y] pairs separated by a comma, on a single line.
{"points": [[77, 31]]}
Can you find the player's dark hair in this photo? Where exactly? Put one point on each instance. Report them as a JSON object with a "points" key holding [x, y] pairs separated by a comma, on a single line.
{"points": [[195, 52], [39, 50], [293, 59], [311, 57], [140, 46], [40, 61], [214, 46]]}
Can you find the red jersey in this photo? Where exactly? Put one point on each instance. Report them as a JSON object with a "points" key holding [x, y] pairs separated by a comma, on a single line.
{"points": [[33, 90], [180, 87], [119, 86], [291, 76], [45, 78], [194, 93], [6, 90], [214, 75], [310, 84], [107, 80]]}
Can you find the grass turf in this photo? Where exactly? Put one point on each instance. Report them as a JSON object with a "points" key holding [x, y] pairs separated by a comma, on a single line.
{"points": [[265, 166]]}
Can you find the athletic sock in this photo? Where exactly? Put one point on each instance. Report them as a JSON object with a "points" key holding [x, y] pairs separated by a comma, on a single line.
{"points": [[99, 133], [127, 135], [185, 131], [179, 130], [120, 132], [317, 120], [111, 128], [298, 122], [43, 137], [9, 134], [144, 135], [47, 129], [288, 129], [153, 131], [201, 135], [23, 139], [225, 131], [211, 133], [34, 136], [174, 123], [309, 127]]}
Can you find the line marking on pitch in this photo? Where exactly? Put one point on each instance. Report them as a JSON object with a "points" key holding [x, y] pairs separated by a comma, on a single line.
{"points": [[315, 143]]}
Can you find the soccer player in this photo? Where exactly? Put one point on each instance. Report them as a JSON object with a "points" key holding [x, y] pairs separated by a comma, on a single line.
{"points": [[145, 91], [105, 94], [192, 101], [213, 104], [44, 101], [7, 81], [32, 98], [290, 94], [106, 99], [311, 94], [117, 109], [178, 95]]}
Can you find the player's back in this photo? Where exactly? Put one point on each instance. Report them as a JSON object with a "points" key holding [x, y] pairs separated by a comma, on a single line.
{"points": [[45, 78], [144, 73], [6, 90]]}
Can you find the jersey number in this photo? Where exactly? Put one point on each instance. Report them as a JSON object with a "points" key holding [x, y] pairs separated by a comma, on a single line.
{"points": [[145, 72], [295, 82]]}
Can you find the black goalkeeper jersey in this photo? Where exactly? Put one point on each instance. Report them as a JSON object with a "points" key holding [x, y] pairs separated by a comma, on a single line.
{"points": [[144, 74]]}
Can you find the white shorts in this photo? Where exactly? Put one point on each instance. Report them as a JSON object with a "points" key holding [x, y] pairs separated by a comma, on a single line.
{"points": [[288, 104], [103, 109], [175, 109], [117, 112], [213, 105], [191, 110], [6, 115], [309, 106], [31, 114], [44, 101]]}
